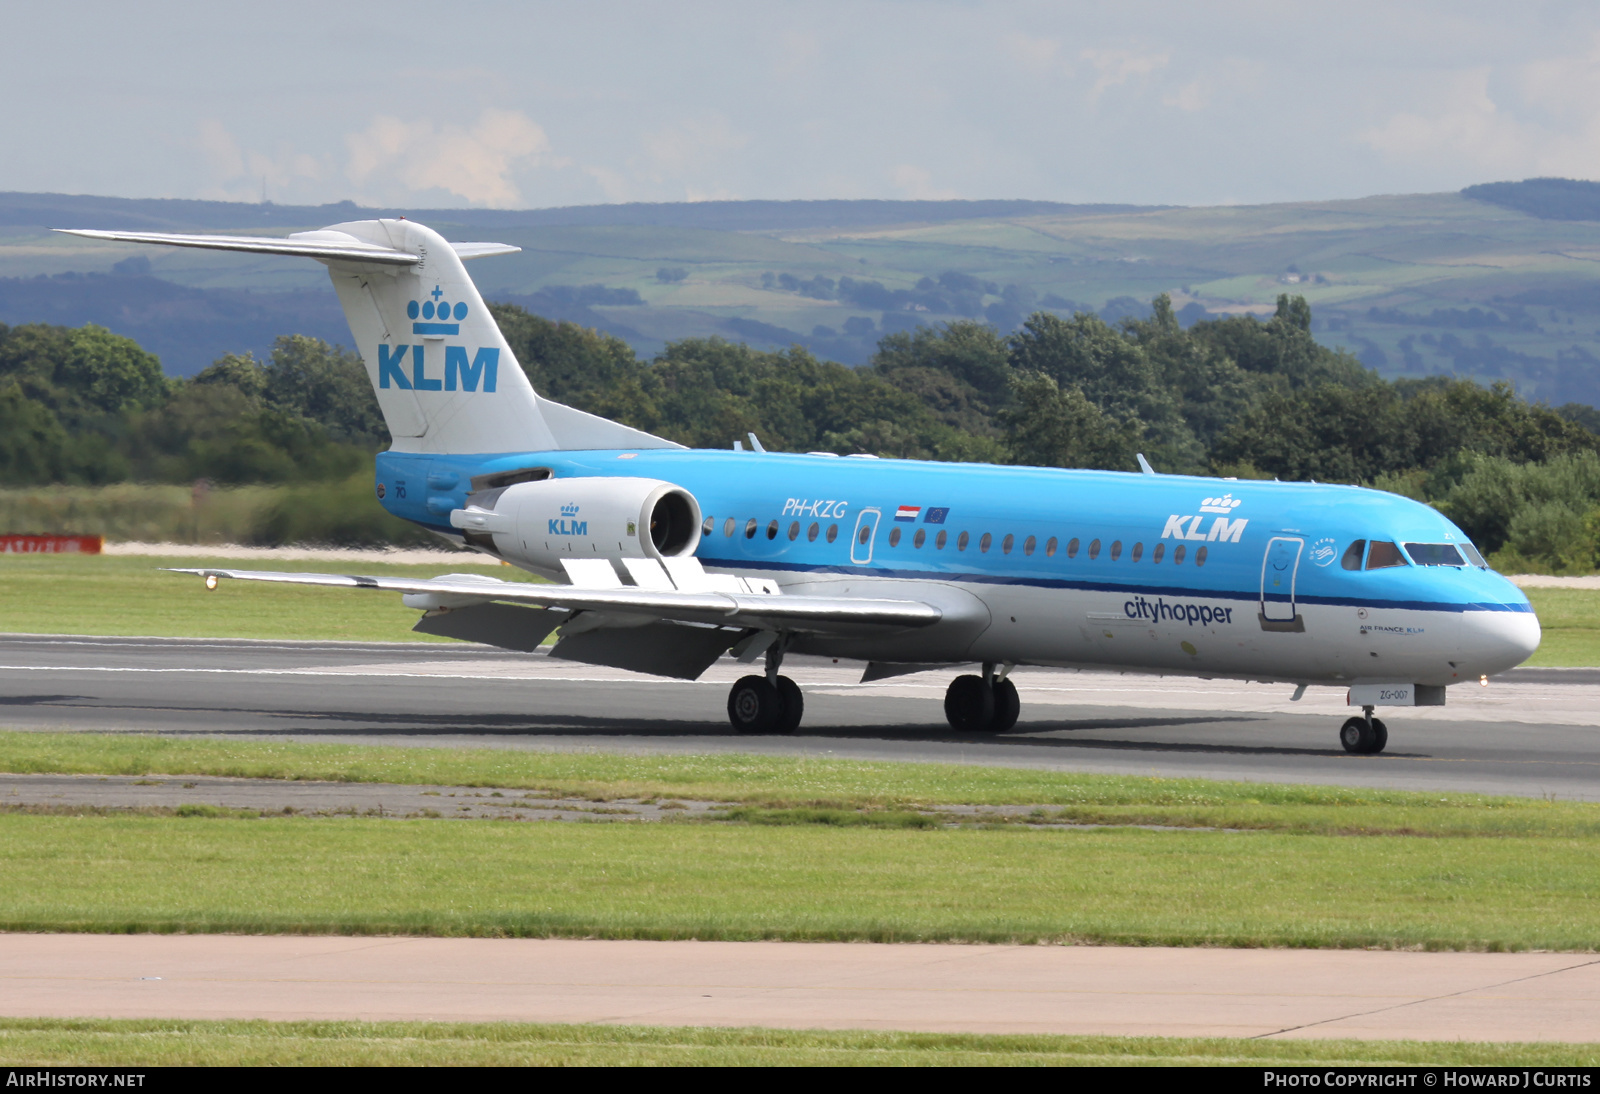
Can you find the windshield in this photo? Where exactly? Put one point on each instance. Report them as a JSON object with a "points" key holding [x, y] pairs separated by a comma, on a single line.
{"points": [[1383, 555], [1435, 554]]}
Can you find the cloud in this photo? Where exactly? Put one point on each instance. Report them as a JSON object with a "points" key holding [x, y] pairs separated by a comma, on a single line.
{"points": [[688, 145], [1469, 125], [239, 174], [1190, 97], [1035, 53], [393, 158], [1118, 66], [917, 183]]}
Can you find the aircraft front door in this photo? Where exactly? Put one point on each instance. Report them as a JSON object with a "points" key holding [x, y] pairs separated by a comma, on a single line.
{"points": [[1278, 571], [866, 532]]}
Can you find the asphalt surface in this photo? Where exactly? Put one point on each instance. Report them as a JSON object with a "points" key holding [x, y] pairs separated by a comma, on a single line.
{"points": [[1532, 732]]}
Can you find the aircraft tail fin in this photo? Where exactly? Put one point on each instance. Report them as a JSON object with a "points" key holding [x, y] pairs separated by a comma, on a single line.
{"points": [[446, 380]]}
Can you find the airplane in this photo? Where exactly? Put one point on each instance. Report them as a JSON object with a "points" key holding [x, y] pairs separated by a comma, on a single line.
{"points": [[664, 559]]}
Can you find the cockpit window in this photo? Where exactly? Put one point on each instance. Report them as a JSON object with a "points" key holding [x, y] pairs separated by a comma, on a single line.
{"points": [[1473, 556], [1384, 554], [1435, 554], [1352, 555]]}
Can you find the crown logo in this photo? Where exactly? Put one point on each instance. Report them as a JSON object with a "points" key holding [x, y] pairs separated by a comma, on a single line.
{"points": [[1225, 504], [435, 314], [569, 510]]}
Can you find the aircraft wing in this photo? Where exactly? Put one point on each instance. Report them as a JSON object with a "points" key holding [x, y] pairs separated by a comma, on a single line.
{"points": [[765, 611]]}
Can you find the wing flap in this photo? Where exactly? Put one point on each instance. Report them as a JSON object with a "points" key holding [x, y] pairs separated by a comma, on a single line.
{"points": [[764, 611]]}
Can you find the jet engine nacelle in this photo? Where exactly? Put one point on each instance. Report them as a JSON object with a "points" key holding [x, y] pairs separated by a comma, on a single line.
{"points": [[538, 524]]}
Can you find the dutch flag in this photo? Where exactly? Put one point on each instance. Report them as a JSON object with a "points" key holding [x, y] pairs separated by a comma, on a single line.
{"points": [[907, 513]]}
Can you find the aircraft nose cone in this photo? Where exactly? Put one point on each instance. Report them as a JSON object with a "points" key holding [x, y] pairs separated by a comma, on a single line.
{"points": [[1502, 640]]}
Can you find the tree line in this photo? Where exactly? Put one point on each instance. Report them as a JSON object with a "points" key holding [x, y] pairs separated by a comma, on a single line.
{"points": [[1231, 396]]}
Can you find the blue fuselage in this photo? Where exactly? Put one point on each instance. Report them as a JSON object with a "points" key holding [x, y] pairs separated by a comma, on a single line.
{"points": [[1107, 566]]}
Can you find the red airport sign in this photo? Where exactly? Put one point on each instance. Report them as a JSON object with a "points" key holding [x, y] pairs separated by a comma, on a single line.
{"points": [[51, 545]]}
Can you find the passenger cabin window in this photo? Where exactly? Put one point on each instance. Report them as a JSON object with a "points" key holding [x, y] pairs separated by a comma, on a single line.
{"points": [[1200, 556], [866, 534], [772, 530], [1177, 554], [1116, 550], [709, 526], [920, 538], [794, 530], [1094, 549], [1029, 545], [811, 533], [1352, 555], [983, 544], [941, 539], [1072, 549], [1050, 547], [894, 537], [1384, 554], [1158, 554], [1007, 543], [1138, 552], [727, 527], [833, 532], [1435, 554], [750, 528], [962, 541]]}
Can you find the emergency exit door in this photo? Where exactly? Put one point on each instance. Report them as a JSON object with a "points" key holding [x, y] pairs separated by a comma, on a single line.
{"points": [[1279, 568]]}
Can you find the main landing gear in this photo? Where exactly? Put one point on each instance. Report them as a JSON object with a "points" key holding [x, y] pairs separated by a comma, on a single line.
{"points": [[982, 704], [1364, 736], [766, 704]]}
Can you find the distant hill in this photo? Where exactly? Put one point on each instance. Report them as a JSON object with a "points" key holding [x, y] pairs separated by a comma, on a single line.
{"points": [[187, 328], [1547, 199], [168, 214]]}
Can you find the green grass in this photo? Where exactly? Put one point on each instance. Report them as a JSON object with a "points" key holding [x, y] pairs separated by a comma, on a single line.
{"points": [[1571, 622], [145, 1043], [132, 595], [780, 783], [1128, 886]]}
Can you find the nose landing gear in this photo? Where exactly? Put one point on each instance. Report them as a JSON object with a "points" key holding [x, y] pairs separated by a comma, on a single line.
{"points": [[982, 704], [1364, 736], [766, 704]]}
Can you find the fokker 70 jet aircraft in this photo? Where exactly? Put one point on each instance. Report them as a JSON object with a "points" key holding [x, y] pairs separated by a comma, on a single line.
{"points": [[666, 558]]}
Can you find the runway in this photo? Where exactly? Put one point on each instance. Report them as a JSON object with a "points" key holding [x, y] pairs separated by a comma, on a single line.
{"points": [[1108, 990], [1532, 732]]}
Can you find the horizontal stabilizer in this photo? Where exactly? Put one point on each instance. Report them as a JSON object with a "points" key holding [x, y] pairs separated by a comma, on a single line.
{"points": [[321, 244], [813, 614]]}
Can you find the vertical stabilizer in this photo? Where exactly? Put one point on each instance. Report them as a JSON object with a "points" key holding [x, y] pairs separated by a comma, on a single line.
{"points": [[445, 378]]}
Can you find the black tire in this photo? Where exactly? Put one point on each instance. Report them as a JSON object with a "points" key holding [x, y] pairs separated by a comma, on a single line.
{"points": [[792, 703], [1356, 736], [969, 705], [1007, 705], [754, 706], [1380, 737]]}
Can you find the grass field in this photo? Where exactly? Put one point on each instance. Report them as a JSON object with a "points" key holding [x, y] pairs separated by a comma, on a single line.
{"points": [[123, 595], [1235, 864], [132, 595], [1131, 886], [136, 1043]]}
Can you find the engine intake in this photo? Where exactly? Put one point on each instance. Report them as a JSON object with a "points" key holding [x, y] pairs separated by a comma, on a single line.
{"points": [[537, 524]]}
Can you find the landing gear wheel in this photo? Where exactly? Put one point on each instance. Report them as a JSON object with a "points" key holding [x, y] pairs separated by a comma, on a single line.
{"points": [[754, 706], [1007, 705], [969, 705], [1380, 737], [1356, 736], [793, 704]]}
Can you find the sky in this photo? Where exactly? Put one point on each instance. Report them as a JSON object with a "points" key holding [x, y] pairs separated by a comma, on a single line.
{"points": [[530, 104]]}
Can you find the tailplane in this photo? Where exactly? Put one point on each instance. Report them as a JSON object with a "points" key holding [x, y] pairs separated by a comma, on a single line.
{"points": [[446, 380]]}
